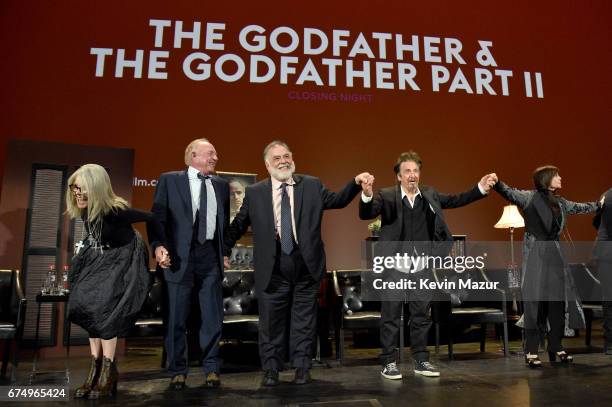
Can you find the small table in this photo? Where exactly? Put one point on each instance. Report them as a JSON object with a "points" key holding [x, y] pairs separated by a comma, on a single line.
{"points": [[50, 298]]}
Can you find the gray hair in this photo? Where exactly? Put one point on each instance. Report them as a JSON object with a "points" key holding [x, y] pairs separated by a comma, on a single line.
{"points": [[190, 147], [274, 144]]}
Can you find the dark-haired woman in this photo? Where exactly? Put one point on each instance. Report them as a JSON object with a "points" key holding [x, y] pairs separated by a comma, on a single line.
{"points": [[547, 286]]}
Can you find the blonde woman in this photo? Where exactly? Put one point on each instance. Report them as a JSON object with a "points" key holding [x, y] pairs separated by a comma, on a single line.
{"points": [[109, 277]]}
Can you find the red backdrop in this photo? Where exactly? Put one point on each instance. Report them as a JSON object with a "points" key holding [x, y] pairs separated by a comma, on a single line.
{"points": [[50, 93]]}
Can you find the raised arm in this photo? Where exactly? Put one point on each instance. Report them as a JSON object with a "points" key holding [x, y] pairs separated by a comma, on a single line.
{"points": [[574, 208], [518, 197], [448, 201], [340, 199]]}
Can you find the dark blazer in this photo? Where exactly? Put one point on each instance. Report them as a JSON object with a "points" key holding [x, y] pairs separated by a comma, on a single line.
{"points": [[604, 217], [172, 208], [311, 198], [537, 241], [388, 204]]}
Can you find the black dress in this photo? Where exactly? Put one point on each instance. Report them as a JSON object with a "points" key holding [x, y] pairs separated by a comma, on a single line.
{"points": [[109, 279]]}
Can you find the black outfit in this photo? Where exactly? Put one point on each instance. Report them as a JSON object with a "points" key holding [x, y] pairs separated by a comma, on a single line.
{"points": [[287, 284], [197, 264], [547, 287], [603, 256], [424, 223], [109, 279]]}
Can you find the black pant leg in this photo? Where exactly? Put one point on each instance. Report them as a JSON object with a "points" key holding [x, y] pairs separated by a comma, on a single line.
{"points": [[556, 319], [531, 310], [274, 303], [303, 315], [420, 322], [179, 298], [390, 313], [605, 275]]}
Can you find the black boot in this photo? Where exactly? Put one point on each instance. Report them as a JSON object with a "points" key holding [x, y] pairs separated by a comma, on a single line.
{"points": [[107, 383], [92, 378]]}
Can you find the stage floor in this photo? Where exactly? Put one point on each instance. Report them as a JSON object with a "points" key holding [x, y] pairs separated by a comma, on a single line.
{"points": [[473, 379]]}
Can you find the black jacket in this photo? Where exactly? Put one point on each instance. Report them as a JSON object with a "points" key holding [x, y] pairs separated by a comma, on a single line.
{"points": [[388, 204], [172, 208], [311, 198]]}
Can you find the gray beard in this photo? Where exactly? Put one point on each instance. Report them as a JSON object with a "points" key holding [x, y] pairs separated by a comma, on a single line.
{"points": [[282, 176]]}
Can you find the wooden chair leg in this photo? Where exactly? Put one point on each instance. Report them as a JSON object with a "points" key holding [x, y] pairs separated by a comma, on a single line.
{"points": [[437, 327], [164, 357], [5, 357], [15, 363], [400, 348], [506, 350], [450, 341], [341, 348], [483, 336], [588, 328]]}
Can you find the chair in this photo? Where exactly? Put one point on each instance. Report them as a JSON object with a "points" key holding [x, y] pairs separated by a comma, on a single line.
{"points": [[151, 319], [241, 316], [12, 317], [589, 288], [350, 311], [484, 307]]}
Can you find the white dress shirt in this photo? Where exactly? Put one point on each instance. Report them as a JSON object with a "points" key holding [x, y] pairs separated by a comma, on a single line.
{"points": [[195, 186], [277, 194]]}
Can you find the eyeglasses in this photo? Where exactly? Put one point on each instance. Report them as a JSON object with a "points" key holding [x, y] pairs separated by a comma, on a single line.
{"points": [[76, 189]]}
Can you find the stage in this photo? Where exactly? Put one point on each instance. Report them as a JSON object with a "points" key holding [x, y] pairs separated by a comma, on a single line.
{"points": [[472, 379]]}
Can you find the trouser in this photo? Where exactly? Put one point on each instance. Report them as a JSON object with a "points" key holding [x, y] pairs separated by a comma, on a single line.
{"points": [[290, 299], [554, 312], [605, 276], [203, 276], [419, 303]]}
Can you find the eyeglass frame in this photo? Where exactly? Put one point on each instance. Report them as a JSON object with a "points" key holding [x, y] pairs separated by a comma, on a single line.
{"points": [[76, 190]]}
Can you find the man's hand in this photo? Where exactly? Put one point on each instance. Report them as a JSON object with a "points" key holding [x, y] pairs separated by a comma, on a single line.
{"points": [[366, 180], [488, 181], [226, 262], [162, 257]]}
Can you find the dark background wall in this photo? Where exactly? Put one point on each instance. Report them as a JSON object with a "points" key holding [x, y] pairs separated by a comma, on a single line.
{"points": [[50, 93]]}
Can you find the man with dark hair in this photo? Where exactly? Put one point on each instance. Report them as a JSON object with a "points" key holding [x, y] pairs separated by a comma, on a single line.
{"points": [[193, 208], [412, 214], [285, 213]]}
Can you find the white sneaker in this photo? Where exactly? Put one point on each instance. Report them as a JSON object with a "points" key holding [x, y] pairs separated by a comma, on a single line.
{"points": [[426, 369], [391, 372]]}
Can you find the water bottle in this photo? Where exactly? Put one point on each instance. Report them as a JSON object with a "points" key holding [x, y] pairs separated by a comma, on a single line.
{"points": [[50, 282], [65, 287]]}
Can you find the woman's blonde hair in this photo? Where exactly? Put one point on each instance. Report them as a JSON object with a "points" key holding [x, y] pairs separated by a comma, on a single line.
{"points": [[96, 184]]}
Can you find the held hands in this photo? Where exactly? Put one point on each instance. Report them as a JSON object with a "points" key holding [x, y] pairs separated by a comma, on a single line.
{"points": [[226, 262], [162, 257], [366, 180], [488, 181]]}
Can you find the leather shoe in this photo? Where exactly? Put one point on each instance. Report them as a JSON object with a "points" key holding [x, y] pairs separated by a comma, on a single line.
{"points": [[302, 376], [270, 378], [178, 382], [212, 380]]}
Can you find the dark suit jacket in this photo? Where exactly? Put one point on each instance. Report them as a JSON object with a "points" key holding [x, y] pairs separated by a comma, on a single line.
{"points": [[388, 204], [604, 217], [172, 208], [311, 198]]}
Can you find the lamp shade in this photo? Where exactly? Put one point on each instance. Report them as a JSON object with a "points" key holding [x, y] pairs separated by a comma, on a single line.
{"points": [[511, 218]]}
